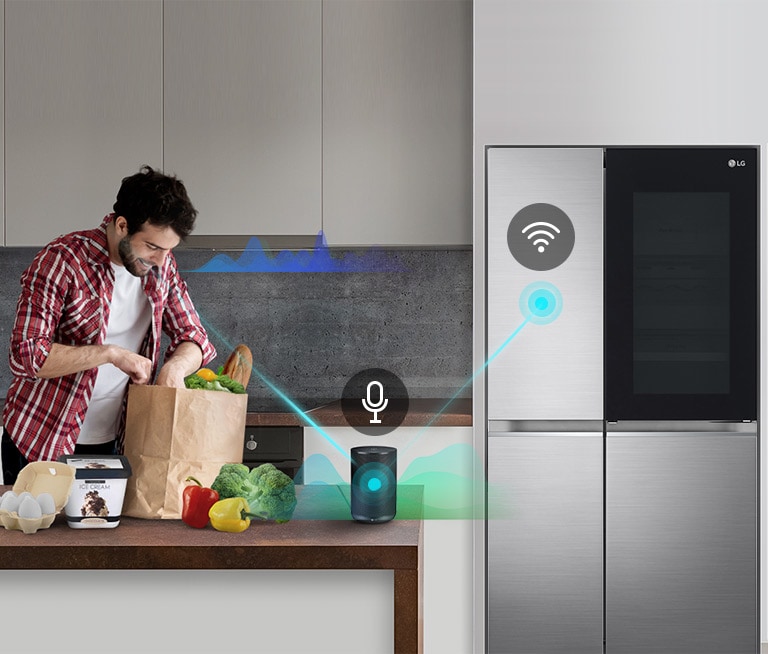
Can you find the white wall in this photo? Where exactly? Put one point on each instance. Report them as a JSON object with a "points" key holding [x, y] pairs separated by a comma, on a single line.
{"points": [[611, 72]]}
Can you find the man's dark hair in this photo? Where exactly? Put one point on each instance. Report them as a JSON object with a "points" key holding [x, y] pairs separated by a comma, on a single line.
{"points": [[152, 196]]}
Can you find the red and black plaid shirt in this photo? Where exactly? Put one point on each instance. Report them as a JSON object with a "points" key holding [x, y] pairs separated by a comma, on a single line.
{"points": [[65, 297]]}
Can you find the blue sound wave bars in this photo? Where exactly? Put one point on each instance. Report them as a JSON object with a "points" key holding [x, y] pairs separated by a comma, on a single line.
{"points": [[277, 391]]}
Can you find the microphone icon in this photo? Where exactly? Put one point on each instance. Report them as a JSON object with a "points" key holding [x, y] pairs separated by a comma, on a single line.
{"points": [[375, 407]]}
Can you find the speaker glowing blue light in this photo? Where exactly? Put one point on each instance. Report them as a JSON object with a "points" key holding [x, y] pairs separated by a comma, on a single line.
{"points": [[374, 477], [541, 302], [374, 483]]}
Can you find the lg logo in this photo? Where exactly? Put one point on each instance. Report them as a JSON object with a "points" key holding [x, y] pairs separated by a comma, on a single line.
{"points": [[732, 163]]}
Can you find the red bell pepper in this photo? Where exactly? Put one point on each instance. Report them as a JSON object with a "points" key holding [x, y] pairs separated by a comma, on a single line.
{"points": [[197, 500]]}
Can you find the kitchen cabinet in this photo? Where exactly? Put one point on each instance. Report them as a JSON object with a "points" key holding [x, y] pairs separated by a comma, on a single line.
{"points": [[83, 82], [448, 552], [397, 122], [242, 113], [297, 611], [282, 118], [327, 551]]}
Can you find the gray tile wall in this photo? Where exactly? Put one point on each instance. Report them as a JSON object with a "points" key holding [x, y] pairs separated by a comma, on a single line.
{"points": [[311, 332]]}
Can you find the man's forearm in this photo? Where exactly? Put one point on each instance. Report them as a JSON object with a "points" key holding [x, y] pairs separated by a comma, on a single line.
{"points": [[185, 360], [188, 357], [68, 359]]}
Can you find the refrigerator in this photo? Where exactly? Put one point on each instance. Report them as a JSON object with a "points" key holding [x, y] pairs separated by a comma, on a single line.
{"points": [[621, 384]]}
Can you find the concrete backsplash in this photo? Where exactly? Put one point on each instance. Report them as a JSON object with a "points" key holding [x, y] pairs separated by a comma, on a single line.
{"points": [[311, 332]]}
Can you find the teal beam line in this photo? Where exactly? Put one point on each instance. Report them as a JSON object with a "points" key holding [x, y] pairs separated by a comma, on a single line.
{"points": [[279, 393], [327, 436], [474, 376]]}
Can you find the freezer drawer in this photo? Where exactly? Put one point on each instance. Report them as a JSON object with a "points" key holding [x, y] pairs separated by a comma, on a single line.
{"points": [[544, 540], [681, 543]]}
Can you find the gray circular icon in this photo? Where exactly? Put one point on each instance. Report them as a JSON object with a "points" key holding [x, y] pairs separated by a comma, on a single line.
{"points": [[540, 236], [374, 402]]}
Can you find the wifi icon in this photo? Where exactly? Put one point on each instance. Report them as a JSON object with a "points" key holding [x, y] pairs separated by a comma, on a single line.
{"points": [[541, 234]]}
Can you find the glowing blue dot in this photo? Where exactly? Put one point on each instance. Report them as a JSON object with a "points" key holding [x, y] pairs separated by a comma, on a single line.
{"points": [[374, 484], [541, 302]]}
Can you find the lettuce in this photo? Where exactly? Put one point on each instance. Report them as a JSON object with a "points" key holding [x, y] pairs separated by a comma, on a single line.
{"points": [[221, 383]]}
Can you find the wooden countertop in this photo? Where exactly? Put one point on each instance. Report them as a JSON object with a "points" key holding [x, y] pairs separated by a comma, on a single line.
{"points": [[436, 412], [321, 535]]}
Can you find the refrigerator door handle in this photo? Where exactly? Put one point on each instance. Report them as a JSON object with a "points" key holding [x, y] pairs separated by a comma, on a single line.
{"points": [[510, 427], [681, 426]]}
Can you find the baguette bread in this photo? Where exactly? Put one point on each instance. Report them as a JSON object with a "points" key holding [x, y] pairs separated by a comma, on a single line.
{"points": [[239, 364]]}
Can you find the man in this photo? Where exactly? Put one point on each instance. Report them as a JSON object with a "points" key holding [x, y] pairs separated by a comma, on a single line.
{"points": [[89, 320]]}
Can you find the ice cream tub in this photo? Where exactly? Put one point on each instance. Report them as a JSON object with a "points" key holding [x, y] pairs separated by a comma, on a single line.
{"points": [[98, 490]]}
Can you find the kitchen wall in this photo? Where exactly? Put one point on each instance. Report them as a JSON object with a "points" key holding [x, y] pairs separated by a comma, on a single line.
{"points": [[311, 332], [613, 72]]}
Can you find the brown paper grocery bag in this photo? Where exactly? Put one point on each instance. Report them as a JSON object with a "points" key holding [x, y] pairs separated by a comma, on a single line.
{"points": [[171, 433]]}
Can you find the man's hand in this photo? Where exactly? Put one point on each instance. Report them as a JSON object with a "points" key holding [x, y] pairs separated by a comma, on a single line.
{"points": [[185, 360], [171, 375], [137, 367], [68, 359]]}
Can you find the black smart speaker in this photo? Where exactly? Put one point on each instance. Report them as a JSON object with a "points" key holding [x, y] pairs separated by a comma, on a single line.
{"points": [[374, 483]]}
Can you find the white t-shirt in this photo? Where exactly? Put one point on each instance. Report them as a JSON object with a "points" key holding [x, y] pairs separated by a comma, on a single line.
{"points": [[130, 315]]}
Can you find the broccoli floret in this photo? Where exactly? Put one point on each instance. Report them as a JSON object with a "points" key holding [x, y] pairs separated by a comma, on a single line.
{"points": [[234, 480], [275, 497], [270, 493]]}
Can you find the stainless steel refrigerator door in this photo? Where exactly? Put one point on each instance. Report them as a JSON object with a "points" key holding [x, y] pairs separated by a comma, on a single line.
{"points": [[548, 371], [544, 543], [681, 543]]}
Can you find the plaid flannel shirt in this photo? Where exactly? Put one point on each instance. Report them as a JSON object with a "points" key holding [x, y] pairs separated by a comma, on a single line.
{"points": [[65, 298]]}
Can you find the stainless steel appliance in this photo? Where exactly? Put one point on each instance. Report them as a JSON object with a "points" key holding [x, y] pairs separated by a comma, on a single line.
{"points": [[622, 384]]}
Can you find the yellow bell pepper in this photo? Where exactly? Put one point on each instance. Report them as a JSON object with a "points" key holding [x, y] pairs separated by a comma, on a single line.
{"points": [[207, 374], [231, 514]]}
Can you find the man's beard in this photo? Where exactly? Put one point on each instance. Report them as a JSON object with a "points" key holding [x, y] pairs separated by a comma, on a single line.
{"points": [[134, 265]]}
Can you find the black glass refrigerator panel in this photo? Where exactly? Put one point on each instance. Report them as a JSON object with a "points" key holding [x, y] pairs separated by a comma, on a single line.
{"points": [[681, 324]]}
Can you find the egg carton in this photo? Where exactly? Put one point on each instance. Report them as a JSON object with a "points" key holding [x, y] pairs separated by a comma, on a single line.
{"points": [[11, 520], [39, 477]]}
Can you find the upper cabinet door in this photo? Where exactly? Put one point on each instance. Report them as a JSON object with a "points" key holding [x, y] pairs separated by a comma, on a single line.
{"points": [[397, 122], [83, 90], [242, 113]]}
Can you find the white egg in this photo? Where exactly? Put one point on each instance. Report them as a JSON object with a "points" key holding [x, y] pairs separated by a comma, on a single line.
{"points": [[47, 503], [9, 501], [25, 494], [29, 508]]}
